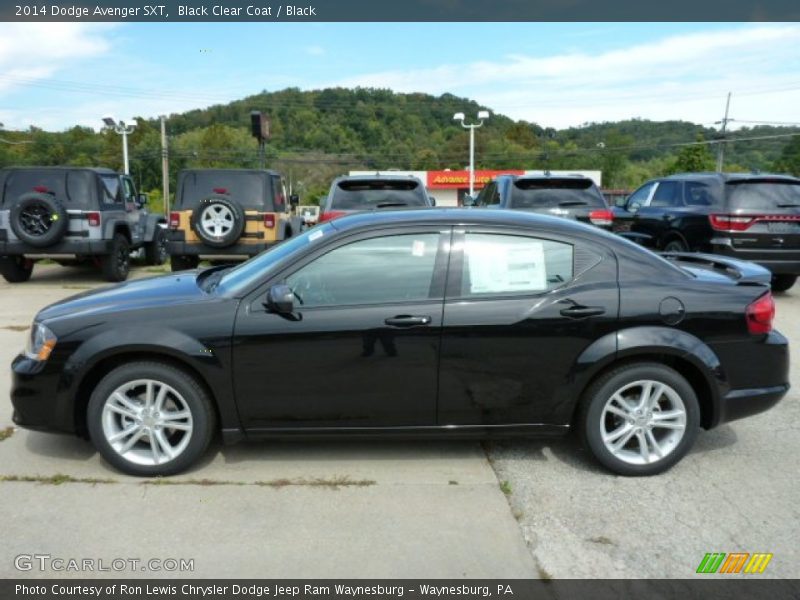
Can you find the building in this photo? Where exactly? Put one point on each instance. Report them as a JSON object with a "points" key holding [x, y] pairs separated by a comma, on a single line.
{"points": [[450, 187]]}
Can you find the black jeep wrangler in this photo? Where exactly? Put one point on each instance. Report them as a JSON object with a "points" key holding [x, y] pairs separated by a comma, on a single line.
{"points": [[223, 214], [72, 215]]}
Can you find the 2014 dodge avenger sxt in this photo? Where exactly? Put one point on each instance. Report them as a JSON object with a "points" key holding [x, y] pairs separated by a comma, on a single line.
{"points": [[422, 322]]}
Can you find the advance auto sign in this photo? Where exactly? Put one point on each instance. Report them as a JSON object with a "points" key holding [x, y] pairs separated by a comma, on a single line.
{"points": [[460, 179]]}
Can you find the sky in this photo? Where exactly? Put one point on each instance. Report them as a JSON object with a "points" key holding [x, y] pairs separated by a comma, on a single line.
{"points": [[56, 75]]}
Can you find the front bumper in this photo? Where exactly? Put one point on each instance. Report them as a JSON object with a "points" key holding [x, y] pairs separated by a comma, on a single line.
{"points": [[34, 397]]}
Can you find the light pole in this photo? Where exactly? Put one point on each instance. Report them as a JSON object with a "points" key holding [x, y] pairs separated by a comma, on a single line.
{"points": [[123, 130], [482, 115]]}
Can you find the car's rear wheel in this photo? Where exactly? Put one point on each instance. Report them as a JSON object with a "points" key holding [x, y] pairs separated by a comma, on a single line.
{"points": [[781, 283], [117, 263], [16, 269], [150, 419], [675, 245], [155, 252], [639, 419], [184, 263]]}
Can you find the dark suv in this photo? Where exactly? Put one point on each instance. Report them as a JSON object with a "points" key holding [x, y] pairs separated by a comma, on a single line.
{"points": [[73, 215], [224, 213], [753, 217], [355, 193], [571, 196]]}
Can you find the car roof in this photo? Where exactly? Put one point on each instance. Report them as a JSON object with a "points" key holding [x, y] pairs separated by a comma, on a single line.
{"points": [[463, 216], [731, 177], [258, 171], [99, 170], [544, 177]]}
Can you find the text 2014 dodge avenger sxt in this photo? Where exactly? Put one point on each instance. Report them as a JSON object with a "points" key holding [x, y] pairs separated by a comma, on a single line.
{"points": [[424, 322]]}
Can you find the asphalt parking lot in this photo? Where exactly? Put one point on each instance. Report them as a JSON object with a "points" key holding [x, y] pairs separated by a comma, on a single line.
{"points": [[514, 509]]}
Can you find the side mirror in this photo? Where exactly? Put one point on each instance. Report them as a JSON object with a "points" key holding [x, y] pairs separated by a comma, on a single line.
{"points": [[294, 200], [433, 200], [633, 207], [469, 201], [142, 199], [280, 299]]}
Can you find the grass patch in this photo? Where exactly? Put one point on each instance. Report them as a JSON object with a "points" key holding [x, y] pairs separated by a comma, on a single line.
{"points": [[332, 483], [6, 433], [601, 539], [452, 482], [505, 487], [17, 327], [161, 269], [74, 286], [56, 479]]}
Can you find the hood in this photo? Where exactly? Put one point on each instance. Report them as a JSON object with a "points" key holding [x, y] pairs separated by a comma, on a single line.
{"points": [[140, 293]]}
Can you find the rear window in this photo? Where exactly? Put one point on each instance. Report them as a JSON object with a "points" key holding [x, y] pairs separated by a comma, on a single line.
{"points": [[552, 193], [247, 188], [359, 195], [763, 195], [70, 187]]}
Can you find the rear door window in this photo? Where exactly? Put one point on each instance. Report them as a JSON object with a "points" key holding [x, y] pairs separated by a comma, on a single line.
{"points": [[763, 195], [370, 194], [552, 193], [698, 193], [499, 264]]}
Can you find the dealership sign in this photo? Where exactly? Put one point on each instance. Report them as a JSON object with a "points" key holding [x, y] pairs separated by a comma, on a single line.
{"points": [[442, 180]]}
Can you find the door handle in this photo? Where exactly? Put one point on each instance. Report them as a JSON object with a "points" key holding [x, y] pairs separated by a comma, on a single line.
{"points": [[408, 321], [581, 312]]}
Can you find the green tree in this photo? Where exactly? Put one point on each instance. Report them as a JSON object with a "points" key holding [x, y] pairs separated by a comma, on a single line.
{"points": [[789, 161], [694, 158]]}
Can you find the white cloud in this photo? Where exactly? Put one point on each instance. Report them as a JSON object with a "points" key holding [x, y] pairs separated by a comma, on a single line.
{"points": [[315, 50], [675, 77], [32, 52]]}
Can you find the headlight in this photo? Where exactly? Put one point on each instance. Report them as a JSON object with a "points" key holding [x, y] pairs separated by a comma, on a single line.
{"points": [[40, 342]]}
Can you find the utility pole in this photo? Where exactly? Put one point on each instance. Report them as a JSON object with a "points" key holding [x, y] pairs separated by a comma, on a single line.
{"points": [[164, 164], [721, 143]]}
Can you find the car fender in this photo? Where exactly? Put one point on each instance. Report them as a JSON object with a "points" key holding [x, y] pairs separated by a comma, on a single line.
{"points": [[151, 222], [630, 343], [156, 341], [114, 224]]}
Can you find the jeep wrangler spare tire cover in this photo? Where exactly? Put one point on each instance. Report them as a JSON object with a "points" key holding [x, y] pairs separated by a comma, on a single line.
{"points": [[39, 219], [219, 222]]}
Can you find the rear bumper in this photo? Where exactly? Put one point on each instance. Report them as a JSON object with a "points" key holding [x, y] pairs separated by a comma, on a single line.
{"points": [[188, 249], [738, 404], [73, 247], [780, 262]]}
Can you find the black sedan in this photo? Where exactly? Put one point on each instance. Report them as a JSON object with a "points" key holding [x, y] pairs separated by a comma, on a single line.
{"points": [[432, 322]]}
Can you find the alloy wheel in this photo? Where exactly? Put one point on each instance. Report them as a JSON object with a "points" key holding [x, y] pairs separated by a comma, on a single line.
{"points": [[217, 220], [643, 422], [36, 219], [147, 422]]}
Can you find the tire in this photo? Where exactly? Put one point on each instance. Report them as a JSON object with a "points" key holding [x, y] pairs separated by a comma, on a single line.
{"points": [[39, 219], [219, 222], [16, 269], [781, 283], [184, 263], [155, 251], [117, 264], [675, 245], [629, 382], [145, 421]]}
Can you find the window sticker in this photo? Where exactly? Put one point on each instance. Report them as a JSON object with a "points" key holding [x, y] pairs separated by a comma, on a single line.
{"points": [[495, 268], [315, 235], [418, 248]]}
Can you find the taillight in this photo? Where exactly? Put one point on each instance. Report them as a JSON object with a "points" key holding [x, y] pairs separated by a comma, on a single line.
{"points": [[93, 218], [174, 220], [269, 220], [330, 215], [730, 222], [601, 217], [42, 189], [760, 314]]}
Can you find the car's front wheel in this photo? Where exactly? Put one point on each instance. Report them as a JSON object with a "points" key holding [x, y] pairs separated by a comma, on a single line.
{"points": [[639, 419], [150, 419]]}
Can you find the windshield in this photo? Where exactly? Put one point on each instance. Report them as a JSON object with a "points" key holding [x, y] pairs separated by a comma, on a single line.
{"points": [[552, 193], [763, 195], [245, 187], [257, 269], [376, 193]]}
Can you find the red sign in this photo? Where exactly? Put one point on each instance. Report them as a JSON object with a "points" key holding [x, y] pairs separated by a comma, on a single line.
{"points": [[445, 180]]}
